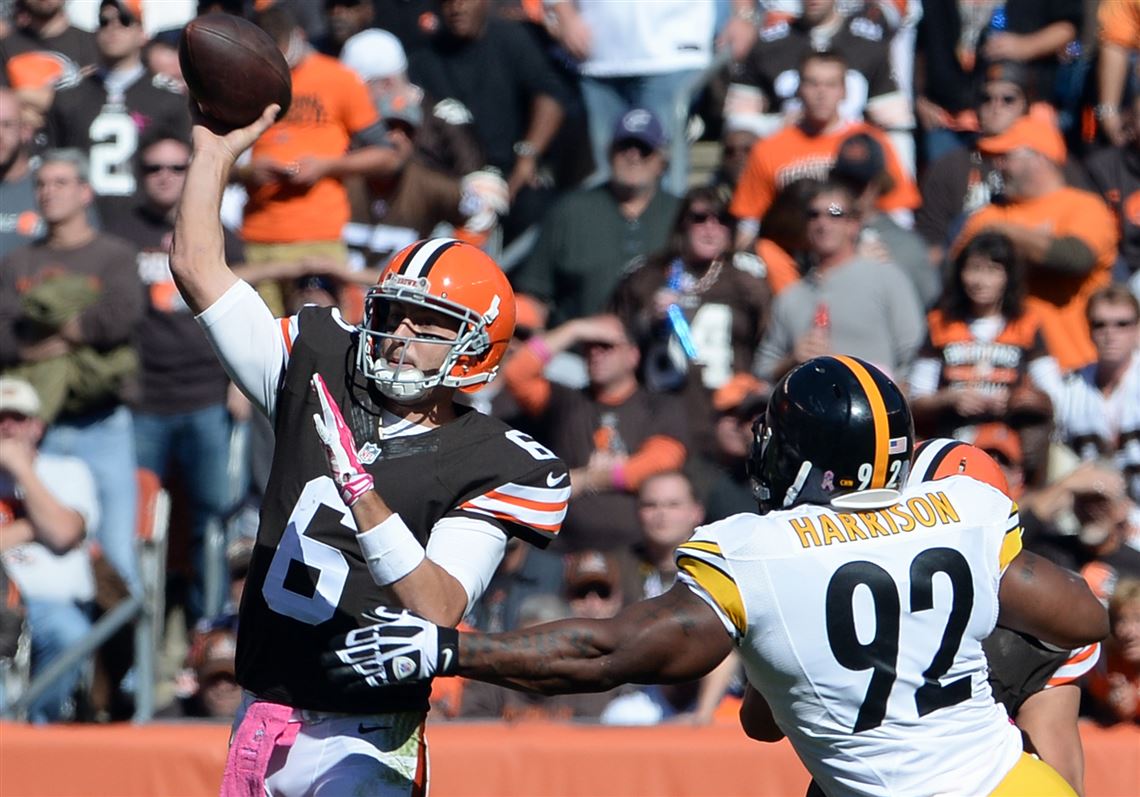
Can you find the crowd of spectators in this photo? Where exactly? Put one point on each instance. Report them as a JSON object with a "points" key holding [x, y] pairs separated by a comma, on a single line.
{"points": [[948, 190]]}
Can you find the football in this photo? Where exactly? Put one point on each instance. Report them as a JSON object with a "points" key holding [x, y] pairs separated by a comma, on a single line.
{"points": [[233, 69]]}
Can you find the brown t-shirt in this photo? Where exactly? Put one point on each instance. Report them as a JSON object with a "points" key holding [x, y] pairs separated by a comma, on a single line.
{"points": [[651, 429], [108, 323]]}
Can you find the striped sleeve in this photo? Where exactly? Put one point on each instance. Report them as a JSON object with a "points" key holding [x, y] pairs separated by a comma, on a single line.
{"points": [[534, 512], [1011, 541], [1080, 662], [703, 568]]}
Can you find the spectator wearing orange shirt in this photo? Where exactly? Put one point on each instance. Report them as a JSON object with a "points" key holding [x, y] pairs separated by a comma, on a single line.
{"points": [[809, 149], [297, 205], [1067, 237]]}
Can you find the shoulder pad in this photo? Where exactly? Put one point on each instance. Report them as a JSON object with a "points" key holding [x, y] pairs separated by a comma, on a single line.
{"points": [[778, 30], [865, 28], [165, 83], [750, 264], [453, 112]]}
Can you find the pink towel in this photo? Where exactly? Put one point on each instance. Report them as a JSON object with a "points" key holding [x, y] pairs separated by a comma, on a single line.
{"points": [[264, 727]]}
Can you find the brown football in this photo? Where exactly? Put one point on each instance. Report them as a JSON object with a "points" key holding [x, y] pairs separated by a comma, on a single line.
{"points": [[233, 69]]}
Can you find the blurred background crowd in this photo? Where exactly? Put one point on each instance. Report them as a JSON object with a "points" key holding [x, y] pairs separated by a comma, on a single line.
{"points": [[689, 196]]}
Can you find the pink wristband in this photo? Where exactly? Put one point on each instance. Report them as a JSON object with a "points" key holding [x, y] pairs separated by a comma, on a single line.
{"points": [[540, 349]]}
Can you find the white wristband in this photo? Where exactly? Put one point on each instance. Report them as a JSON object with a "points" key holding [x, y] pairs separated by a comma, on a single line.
{"points": [[391, 550]]}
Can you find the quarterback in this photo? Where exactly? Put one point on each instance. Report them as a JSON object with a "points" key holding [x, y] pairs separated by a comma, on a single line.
{"points": [[382, 488], [858, 604]]}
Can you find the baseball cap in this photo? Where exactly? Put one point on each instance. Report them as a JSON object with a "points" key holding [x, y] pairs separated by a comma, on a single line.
{"points": [[374, 54], [218, 653], [1009, 72], [860, 159], [743, 395], [640, 125], [19, 397], [1027, 132], [1000, 439], [590, 568], [132, 8]]}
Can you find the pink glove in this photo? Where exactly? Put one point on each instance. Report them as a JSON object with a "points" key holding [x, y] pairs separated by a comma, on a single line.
{"points": [[349, 475]]}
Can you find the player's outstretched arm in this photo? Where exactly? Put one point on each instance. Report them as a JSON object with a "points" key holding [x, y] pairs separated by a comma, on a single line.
{"points": [[1037, 597], [197, 254], [671, 638]]}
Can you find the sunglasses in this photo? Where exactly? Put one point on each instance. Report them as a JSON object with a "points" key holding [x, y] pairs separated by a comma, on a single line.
{"points": [[124, 20], [1117, 324], [701, 216], [1004, 99], [832, 212], [603, 591], [744, 149], [643, 149], [155, 168]]}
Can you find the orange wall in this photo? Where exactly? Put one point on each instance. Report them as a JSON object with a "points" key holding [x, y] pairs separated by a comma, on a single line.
{"points": [[474, 760]]}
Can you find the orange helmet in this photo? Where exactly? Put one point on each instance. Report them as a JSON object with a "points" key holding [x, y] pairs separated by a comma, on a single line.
{"points": [[942, 457], [457, 280]]}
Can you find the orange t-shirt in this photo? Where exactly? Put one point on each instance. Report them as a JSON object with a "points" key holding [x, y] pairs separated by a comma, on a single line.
{"points": [[1059, 300], [330, 104], [1119, 23], [792, 154]]}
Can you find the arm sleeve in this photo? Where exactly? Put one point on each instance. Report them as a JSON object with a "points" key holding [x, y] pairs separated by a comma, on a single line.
{"points": [[251, 344], [523, 378], [111, 321], [358, 110], [923, 380], [658, 454], [1119, 24], [469, 550], [1080, 662]]}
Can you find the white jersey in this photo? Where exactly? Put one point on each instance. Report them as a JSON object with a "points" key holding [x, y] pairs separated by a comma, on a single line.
{"points": [[863, 630]]}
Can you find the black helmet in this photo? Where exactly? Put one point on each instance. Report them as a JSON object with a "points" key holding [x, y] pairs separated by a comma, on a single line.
{"points": [[834, 426]]}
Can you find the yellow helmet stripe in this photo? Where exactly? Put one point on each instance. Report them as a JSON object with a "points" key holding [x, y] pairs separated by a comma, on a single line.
{"points": [[878, 416]]}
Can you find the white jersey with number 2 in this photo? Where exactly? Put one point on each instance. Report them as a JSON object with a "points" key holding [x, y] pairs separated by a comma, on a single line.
{"points": [[863, 630]]}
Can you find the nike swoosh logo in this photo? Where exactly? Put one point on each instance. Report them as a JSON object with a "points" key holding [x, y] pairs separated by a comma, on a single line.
{"points": [[362, 728], [445, 655], [553, 482]]}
